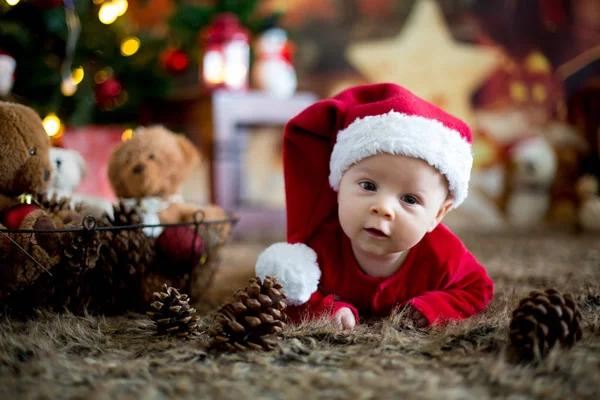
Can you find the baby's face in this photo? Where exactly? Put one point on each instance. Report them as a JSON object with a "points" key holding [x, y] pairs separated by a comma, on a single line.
{"points": [[388, 202]]}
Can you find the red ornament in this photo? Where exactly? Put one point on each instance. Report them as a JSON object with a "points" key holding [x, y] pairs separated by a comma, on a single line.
{"points": [[174, 60], [106, 93], [179, 249]]}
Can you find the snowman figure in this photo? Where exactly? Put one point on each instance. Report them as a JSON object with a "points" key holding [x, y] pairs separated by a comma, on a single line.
{"points": [[273, 71]]}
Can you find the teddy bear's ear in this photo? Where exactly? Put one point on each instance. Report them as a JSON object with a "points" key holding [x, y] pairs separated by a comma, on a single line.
{"points": [[190, 153]]}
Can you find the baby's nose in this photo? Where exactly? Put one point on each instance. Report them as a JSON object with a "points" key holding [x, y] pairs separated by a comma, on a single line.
{"points": [[383, 210]]}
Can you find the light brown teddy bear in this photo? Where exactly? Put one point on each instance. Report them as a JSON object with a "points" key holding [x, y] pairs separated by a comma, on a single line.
{"points": [[148, 172], [25, 173], [150, 169]]}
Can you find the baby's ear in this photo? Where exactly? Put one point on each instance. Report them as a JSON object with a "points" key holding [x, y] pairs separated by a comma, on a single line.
{"points": [[442, 212]]}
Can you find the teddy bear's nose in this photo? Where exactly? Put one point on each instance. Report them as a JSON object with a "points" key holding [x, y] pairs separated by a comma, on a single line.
{"points": [[138, 169], [58, 162], [46, 175]]}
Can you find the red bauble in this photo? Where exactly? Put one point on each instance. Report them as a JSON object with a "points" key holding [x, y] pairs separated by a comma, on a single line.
{"points": [[178, 249], [174, 60], [106, 93]]}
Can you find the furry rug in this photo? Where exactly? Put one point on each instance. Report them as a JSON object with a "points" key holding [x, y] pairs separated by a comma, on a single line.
{"points": [[65, 356]]}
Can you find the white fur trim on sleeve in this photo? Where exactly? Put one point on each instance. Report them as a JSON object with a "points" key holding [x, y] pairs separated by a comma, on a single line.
{"points": [[409, 135], [295, 267]]}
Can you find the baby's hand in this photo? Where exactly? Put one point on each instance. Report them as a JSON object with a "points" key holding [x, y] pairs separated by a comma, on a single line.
{"points": [[343, 319], [418, 318]]}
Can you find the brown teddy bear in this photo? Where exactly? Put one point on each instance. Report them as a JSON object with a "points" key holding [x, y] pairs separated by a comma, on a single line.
{"points": [[25, 173], [150, 170]]}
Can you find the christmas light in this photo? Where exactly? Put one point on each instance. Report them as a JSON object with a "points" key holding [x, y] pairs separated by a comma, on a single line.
{"points": [[12, 2], [127, 134], [214, 66], [108, 13], [77, 75], [120, 6], [130, 46], [68, 87], [51, 124], [121, 98], [100, 76]]}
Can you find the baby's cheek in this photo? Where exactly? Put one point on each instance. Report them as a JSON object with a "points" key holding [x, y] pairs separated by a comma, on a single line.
{"points": [[410, 233]]}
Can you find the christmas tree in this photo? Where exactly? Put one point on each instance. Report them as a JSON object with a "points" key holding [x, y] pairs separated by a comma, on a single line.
{"points": [[89, 61]]}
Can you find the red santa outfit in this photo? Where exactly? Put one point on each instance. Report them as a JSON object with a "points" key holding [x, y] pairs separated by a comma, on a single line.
{"points": [[316, 265]]}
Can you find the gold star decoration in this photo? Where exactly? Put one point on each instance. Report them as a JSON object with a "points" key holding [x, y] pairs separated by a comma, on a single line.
{"points": [[426, 60]]}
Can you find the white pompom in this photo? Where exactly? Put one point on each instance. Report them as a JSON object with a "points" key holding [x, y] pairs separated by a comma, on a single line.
{"points": [[295, 267]]}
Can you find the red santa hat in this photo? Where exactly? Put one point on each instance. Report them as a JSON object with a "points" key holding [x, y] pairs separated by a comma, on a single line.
{"points": [[390, 119], [324, 140]]}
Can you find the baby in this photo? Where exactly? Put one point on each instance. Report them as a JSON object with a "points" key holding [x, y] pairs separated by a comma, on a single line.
{"points": [[369, 176]]}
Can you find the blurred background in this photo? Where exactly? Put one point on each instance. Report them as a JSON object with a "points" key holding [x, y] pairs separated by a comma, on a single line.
{"points": [[228, 74]]}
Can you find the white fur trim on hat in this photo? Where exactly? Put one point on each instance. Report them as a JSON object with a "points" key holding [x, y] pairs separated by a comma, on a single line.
{"points": [[295, 267], [409, 135]]}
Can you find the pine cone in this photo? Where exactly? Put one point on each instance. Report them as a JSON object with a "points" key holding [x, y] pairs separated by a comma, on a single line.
{"points": [[53, 204], [124, 215], [80, 249], [542, 320], [124, 257], [254, 320], [61, 210], [132, 249], [172, 313]]}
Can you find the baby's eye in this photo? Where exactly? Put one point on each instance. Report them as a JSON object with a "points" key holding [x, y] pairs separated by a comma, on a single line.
{"points": [[151, 157], [370, 186], [412, 200]]}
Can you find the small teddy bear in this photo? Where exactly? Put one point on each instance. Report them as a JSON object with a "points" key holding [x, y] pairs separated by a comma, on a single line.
{"points": [[69, 169], [25, 172], [150, 169]]}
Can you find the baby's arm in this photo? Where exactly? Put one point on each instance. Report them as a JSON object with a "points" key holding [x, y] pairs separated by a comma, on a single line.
{"points": [[465, 291]]}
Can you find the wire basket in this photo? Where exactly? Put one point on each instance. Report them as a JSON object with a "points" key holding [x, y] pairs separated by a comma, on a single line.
{"points": [[98, 267]]}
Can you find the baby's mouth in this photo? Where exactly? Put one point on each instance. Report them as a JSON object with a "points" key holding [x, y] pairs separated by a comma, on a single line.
{"points": [[376, 232]]}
